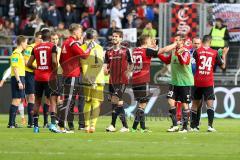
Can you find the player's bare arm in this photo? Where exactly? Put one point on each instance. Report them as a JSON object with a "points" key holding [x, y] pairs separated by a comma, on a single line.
{"points": [[224, 55], [54, 60], [30, 62], [167, 48], [105, 68]]}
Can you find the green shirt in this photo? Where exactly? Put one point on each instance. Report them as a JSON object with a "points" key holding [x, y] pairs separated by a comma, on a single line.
{"points": [[181, 74]]}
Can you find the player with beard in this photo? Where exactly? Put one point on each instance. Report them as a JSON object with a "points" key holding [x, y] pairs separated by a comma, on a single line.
{"points": [[181, 82], [118, 63]]}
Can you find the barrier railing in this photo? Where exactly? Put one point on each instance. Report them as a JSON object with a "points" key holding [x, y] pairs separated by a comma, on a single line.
{"points": [[236, 77]]}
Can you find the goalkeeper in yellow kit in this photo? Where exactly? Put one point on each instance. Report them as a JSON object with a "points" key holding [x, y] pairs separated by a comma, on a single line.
{"points": [[93, 80]]}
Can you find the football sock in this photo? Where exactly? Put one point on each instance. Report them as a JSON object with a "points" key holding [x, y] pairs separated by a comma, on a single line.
{"points": [[193, 119], [114, 114], [87, 111], [61, 115], [210, 113], [70, 116], [53, 118], [173, 116], [30, 116], [12, 114], [199, 112], [137, 118], [80, 110], [185, 118], [21, 109], [95, 112], [122, 116], [142, 119], [35, 120], [45, 113]]}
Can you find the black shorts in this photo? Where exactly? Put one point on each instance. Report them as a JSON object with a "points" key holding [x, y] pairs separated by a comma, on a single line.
{"points": [[141, 92], [29, 83], [16, 92], [180, 93], [117, 90], [48, 88], [206, 92]]}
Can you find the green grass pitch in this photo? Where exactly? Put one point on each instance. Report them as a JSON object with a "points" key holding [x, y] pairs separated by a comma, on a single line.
{"points": [[23, 144]]}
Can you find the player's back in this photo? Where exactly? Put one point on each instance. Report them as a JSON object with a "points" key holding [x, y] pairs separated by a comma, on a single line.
{"points": [[205, 61], [69, 62], [43, 56], [142, 62]]}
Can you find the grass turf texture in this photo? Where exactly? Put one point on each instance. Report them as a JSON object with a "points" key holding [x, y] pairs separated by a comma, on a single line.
{"points": [[23, 144]]}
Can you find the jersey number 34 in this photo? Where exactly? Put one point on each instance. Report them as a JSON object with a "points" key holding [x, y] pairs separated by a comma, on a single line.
{"points": [[206, 62]]}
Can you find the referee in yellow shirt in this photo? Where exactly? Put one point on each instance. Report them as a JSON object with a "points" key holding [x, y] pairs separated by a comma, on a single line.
{"points": [[93, 80], [29, 78], [17, 78]]}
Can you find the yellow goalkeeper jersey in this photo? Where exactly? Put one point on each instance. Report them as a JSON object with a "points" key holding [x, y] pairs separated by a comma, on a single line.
{"points": [[92, 66], [27, 54]]}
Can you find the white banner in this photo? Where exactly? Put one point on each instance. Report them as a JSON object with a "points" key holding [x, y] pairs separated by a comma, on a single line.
{"points": [[130, 35]]}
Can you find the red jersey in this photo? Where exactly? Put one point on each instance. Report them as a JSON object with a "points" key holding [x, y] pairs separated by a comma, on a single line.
{"points": [[118, 61], [206, 59], [43, 55], [70, 57], [142, 63], [183, 58]]}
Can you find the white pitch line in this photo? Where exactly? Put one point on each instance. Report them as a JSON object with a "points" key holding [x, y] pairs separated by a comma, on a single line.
{"points": [[44, 153]]}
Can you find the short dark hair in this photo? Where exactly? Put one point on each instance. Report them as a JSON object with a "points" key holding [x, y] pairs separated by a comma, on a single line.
{"points": [[74, 26], [206, 38], [219, 19], [21, 39], [46, 34], [119, 32]]}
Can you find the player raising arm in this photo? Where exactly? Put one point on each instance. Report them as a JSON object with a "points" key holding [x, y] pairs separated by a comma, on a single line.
{"points": [[206, 58], [93, 80], [142, 56], [181, 82]]}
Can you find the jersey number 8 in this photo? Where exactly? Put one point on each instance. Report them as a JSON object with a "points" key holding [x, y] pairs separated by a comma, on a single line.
{"points": [[43, 57]]}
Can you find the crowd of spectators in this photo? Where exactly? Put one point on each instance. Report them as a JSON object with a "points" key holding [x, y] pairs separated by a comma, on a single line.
{"points": [[29, 16]]}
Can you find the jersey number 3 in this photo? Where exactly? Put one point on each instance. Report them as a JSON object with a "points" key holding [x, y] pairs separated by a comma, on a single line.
{"points": [[206, 62], [43, 57]]}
